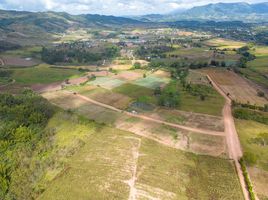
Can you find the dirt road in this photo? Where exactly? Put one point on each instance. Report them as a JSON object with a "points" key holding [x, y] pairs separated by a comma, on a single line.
{"points": [[196, 130], [233, 143]]}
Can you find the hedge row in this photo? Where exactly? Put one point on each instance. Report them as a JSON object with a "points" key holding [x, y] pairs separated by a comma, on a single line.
{"points": [[247, 180]]}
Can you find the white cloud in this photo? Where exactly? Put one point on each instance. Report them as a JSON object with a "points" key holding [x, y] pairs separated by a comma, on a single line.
{"points": [[108, 7]]}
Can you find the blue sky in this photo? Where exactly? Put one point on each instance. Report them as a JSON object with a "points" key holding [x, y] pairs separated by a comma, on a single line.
{"points": [[107, 7]]}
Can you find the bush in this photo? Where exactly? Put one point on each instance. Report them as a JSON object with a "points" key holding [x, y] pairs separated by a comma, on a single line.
{"points": [[247, 114], [250, 158], [137, 65]]}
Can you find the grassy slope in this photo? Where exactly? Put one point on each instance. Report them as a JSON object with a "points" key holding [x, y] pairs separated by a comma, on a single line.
{"points": [[42, 74], [102, 166]]}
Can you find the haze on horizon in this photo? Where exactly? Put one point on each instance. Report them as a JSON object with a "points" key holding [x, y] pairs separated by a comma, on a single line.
{"points": [[109, 7]]}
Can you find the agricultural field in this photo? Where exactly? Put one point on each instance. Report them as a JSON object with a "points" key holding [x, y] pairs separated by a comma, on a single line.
{"points": [[120, 165], [191, 53], [224, 43], [257, 69], [238, 88], [249, 132], [13, 61], [174, 137], [152, 82], [42, 74]]}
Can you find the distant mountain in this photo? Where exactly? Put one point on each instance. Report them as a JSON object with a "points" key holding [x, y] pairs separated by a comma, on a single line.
{"points": [[39, 27], [222, 12]]}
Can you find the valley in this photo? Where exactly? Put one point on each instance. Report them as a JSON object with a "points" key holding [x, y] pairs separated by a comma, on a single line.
{"points": [[103, 107]]}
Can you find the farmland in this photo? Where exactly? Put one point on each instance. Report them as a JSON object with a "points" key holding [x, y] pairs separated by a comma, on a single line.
{"points": [[136, 115], [224, 43], [248, 132], [42, 74], [238, 88], [130, 163]]}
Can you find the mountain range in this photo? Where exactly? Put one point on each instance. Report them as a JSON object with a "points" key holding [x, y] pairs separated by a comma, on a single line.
{"points": [[217, 12]]}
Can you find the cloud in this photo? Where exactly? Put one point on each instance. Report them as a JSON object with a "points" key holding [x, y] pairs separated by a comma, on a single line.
{"points": [[107, 7]]}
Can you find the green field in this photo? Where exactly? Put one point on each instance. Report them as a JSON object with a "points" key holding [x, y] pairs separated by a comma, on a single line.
{"points": [[151, 82], [33, 51], [133, 91], [212, 104], [109, 157], [42, 74], [248, 132], [107, 82]]}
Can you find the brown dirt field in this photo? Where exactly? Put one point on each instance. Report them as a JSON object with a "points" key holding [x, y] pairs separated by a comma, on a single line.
{"points": [[185, 33], [239, 89], [120, 67], [129, 75], [162, 74], [185, 140], [40, 88], [190, 119], [77, 81], [99, 73], [259, 178], [17, 61], [114, 99]]}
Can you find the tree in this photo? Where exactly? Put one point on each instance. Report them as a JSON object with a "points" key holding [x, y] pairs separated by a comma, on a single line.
{"points": [[137, 65]]}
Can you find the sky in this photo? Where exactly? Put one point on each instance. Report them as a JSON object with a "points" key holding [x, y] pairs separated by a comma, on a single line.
{"points": [[108, 7]]}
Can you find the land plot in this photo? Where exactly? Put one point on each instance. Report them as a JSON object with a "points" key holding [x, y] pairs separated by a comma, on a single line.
{"points": [[43, 74], [133, 91], [189, 119], [192, 53], [224, 43], [152, 82], [249, 132], [117, 165], [129, 75], [18, 61], [239, 89], [107, 82]]}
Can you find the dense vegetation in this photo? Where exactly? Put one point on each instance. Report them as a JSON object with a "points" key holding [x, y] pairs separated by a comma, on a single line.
{"points": [[22, 121], [248, 114], [78, 53]]}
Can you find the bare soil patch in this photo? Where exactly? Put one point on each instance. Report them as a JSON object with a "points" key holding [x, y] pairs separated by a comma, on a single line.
{"points": [[18, 62], [237, 87]]}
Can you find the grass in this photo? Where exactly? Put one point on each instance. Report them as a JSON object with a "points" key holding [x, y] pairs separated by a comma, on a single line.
{"points": [[98, 169], [107, 82], [182, 175], [247, 131], [42, 74], [133, 91], [224, 43], [101, 168], [212, 104], [33, 51]]}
